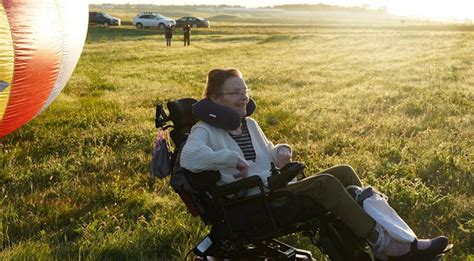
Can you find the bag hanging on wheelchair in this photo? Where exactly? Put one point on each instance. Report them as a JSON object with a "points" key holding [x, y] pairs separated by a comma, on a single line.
{"points": [[161, 163], [375, 204]]}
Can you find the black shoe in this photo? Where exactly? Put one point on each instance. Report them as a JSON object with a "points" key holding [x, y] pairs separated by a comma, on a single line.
{"points": [[438, 246]]}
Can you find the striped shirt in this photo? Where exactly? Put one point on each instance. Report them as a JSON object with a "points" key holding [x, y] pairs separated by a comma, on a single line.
{"points": [[245, 142]]}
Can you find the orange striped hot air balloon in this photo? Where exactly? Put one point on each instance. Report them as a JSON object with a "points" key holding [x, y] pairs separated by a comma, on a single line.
{"points": [[40, 44]]}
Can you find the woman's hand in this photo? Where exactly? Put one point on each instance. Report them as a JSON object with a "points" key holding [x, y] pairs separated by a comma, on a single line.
{"points": [[283, 156], [243, 167]]}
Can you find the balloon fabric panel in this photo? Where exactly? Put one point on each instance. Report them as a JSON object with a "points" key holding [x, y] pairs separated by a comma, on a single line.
{"points": [[74, 19], [6, 61]]}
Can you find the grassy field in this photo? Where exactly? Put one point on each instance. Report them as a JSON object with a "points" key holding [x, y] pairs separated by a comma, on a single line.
{"points": [[395, 102]]}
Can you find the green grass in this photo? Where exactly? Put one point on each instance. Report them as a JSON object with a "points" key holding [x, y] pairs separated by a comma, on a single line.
{"points": [[394, 102]]}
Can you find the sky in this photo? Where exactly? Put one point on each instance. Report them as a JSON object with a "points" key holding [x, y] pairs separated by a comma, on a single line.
{"points": [[455, 9]]}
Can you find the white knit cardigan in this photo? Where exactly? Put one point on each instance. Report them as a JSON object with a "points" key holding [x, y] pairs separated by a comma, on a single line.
{"points": [[211, 148]]}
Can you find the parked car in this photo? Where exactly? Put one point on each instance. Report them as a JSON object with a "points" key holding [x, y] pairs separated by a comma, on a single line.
{"points": [[194, 22], [152, 20], [103, 18]]}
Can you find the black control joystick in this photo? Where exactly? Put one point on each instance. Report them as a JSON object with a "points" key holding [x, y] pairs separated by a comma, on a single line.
{"points": [[280, 177]]}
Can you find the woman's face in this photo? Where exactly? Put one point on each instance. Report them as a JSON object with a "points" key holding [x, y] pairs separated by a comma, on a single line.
{"points": [[234, 94]]}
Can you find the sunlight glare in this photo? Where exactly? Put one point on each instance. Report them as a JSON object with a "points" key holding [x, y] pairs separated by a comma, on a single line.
{"points": [[456, 9]]}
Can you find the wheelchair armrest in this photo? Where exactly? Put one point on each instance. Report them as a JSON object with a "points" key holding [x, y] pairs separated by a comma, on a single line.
{"points": [[236, 186], [204, 180]]}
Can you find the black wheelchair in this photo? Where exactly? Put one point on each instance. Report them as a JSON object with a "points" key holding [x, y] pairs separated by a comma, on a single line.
{"points": [[246, 228]]}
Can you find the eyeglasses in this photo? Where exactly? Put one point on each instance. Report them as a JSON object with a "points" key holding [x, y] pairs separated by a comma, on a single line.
{"points": [[245, 92]]}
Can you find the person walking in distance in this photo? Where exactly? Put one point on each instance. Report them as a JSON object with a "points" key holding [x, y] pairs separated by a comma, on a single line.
{"points": [[168, 34], [187, 34]]}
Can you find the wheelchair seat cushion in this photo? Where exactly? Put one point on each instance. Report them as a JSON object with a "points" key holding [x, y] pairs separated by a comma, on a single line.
{"points": [[220, 116]]}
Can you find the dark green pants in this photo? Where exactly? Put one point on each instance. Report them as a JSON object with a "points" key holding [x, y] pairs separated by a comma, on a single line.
{"points": [[328, 188], [187, 39]]}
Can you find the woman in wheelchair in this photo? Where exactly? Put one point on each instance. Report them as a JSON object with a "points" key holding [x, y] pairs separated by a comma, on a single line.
{"points": [[242, 150]]}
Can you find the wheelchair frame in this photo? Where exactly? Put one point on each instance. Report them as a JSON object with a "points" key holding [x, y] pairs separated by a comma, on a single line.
{"points": [[215, 206]]}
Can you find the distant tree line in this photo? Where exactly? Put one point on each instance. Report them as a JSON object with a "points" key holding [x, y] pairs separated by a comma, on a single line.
{"points": [[329, 8], [295, 7]]}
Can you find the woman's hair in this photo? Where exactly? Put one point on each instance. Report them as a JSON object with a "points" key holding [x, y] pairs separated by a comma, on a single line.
{"points": [[216, 78]]}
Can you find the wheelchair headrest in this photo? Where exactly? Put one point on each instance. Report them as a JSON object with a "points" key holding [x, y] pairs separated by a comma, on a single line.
{"points": [[220, 116], [180, 112]]}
